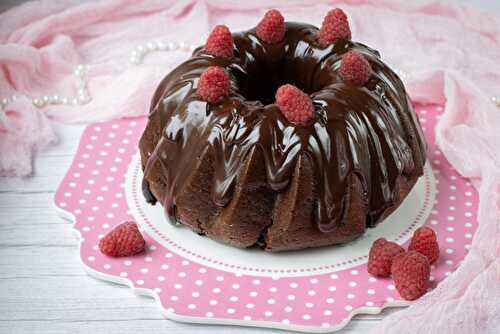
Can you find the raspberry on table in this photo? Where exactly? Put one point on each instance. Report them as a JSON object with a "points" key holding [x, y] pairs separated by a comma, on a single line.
{"points": [[355, 69], [411, 272], [271, 29], [124, 240], [213, 84], [220, 42], [335, 26], [381, 255], [425, 242], [296, 105]]}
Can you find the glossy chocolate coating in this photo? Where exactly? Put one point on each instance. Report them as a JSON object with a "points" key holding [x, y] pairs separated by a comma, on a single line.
{"points": [[370, 131]]}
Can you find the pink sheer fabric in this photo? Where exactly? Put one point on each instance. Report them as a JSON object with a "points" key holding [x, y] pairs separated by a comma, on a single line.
{"points": [[449, 53]]}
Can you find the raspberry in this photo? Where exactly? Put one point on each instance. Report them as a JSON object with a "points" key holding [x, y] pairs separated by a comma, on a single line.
{"points": [[355, 69], [424, 241], [220, 42], [294, 104], [271, 29], [123, 240], [381, 255], [411, 272], [213, 84], [335, 26]]}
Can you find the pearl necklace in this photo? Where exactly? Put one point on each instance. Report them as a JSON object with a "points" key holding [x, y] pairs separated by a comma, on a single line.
{"points": [[136, 58]]}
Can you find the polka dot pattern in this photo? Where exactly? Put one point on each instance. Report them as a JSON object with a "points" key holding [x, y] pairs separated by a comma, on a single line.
{"points": [[93, 193]]}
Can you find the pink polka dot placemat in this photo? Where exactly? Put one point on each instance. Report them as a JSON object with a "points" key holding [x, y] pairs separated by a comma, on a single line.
{"points": [[99, 191]]}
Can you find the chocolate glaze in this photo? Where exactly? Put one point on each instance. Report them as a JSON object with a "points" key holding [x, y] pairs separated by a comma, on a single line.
{"points": [[370, 131]]}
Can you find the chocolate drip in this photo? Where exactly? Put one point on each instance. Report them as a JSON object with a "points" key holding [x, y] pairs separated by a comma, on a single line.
{"points": [[368, 132]]}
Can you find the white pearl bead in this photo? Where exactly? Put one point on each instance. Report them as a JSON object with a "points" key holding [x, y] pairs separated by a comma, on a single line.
{"points": [[38, 103], [80, 83], [55, 99], [192, 47], [83, 99], [78, 72], [134, 60], [5, 101], [183, 46], [161, 46], [14, 97], [134, 53], [64, 100], [46, 99], [171, 46], [151, 46], [75, 101], [140, 48], [496, 100], [80, 67]]}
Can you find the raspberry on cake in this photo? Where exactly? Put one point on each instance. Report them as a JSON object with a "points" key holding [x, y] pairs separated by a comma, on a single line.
{"points": [[286, 153], [272, 27], [294, 104], [335, 26], [213, 84], [354, 68], [220, 42]]}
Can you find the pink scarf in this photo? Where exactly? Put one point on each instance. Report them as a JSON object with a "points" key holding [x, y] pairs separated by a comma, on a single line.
{"points": [[450, 55]]}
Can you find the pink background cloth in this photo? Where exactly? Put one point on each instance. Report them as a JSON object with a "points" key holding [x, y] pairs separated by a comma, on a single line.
{"points": [[450, 54]]}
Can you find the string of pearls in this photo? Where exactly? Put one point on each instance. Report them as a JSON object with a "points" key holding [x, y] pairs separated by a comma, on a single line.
{"points": [[137, 55], [82, 93], [136, 58]]}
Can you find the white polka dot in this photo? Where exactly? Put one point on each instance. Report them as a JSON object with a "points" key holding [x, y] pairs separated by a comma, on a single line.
{"points": [[250, 305], [178, 286], [327, 312], [235, 286], [348, 308], [332, 288], [306, 317], [191, 306], [450, 229], [219, 278], [233, 298], [314, 280], [285, 321], [164, 266], [468, 235], [139, 282], [185, 263], [293, 285], [449, 251], [330, 300], [371, 291], [271, 301], [247, 318], [372, 279], [351, 296], [389, 299], [198, 282], [181, 274], [174, 298], [334, 276], [354, 272], [449, 262], [256, 282], [161, 278], [144, 270], [212, 302], [309, 305], [253, 294], [291, 297], [202, 270], [268, 314], [91, 258], [352, 284], [148, 259], [209, 314], [450, 240], [216, 290], [123, 274], [311, 292], [127, 262], [288, 309], [106, 266]]}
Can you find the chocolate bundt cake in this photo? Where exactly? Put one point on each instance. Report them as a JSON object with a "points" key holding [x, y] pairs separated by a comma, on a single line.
{"points": [[285, 136]]}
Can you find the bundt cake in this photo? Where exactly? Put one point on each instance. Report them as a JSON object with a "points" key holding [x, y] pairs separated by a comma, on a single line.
{"points": [[284, 136]]}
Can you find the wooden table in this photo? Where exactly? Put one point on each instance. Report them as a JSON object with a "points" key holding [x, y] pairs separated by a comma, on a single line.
{"points": [[44, 289]]}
